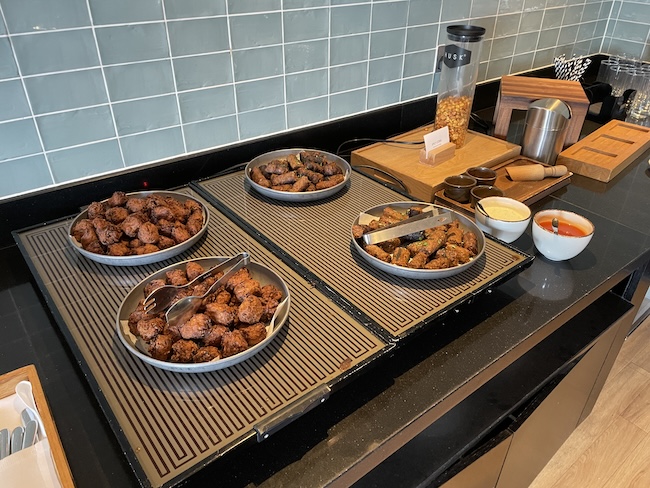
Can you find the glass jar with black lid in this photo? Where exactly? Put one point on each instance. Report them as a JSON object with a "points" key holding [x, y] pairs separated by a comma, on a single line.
{"points": [[458, 80]]}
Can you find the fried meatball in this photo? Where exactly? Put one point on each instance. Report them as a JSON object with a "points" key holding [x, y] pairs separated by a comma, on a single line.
{"points": [[206, 353], [165, 242], [116, 215], [192, 205], [148, 233], [153, 285], [196, 327], [180, 233], [233, 342], [136, 205], [214, 335], [146, 249], [96, 209], [240, 275], [246, 288], [135, 316], [176, 277], [254, 334], [251, 310], [165, 227], [131, 224], [160, 347], [195, 222], [117, 199], [221, 313], [85, 233], [148, 328], [119, 249], [95, 246], [107, 233], [162, 213], [193, 270], [183, 351]]}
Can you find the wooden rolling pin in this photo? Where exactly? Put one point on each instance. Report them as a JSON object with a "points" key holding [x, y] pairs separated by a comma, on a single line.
{"points": [[535, 172]]}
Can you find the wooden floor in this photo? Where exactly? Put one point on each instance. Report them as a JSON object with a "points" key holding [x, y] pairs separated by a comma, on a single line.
{"points": [[611, 448]]}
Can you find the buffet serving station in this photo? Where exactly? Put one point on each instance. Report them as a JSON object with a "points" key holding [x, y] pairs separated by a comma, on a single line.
{"points": [[372, 377], [345, 316]]}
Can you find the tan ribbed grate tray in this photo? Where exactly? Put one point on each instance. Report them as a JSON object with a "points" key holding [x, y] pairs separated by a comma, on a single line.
{"points": [[169, 423], [317, 236]]}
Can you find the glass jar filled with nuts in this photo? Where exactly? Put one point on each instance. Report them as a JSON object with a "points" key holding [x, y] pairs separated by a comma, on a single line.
{"points": [[458, 80]]}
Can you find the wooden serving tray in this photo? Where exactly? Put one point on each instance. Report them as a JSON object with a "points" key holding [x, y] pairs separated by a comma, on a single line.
{"points": [[527, 192], [424, 180], [607, 151], [8, 384]]}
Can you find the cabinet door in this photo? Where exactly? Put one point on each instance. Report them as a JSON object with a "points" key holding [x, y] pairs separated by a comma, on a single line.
{"points": [[484, 471], [542, 433]]}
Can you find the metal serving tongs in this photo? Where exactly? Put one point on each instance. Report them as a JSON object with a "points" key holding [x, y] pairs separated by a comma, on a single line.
{"points": [[161, 298], [183, 309], [420, 222]]}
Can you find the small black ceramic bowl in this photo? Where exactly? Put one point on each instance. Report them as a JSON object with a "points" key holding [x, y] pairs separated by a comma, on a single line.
{"points": [[482, 191], [458, 187], [483, 175]]}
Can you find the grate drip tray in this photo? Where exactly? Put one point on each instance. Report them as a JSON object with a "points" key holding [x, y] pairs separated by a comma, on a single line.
{"points": [[168, 423]]}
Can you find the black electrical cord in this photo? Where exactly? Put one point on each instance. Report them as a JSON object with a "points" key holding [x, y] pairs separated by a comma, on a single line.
{"points": [[369, 139]]}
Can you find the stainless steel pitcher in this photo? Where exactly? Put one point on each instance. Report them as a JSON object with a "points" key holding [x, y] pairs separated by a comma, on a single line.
{"points": [[546, 125]]}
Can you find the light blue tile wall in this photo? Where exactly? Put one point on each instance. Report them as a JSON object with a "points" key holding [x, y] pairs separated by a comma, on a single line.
{"points": [[90, 87]]}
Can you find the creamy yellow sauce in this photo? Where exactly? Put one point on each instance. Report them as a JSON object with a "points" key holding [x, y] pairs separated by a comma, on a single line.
{"points": [[504, 213]]}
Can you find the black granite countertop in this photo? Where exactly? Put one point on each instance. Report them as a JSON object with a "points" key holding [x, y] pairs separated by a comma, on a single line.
{"points": [[447, 357]]}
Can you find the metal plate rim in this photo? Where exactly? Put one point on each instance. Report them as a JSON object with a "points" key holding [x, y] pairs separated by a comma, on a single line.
{"points": [[124, 334], [421, 274], [142, 259], [308, 196]]}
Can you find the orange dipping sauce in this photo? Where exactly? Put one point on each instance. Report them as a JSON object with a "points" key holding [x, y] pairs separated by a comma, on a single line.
{"points": [[564, 228]]}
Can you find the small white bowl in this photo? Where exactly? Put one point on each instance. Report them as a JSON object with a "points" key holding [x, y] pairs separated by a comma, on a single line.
{"points": [[506, 218], [558, 247]]}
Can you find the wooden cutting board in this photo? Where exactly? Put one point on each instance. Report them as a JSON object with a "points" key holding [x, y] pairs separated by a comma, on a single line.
{"points": [[607, 151], [527, 192], [424, 180]]}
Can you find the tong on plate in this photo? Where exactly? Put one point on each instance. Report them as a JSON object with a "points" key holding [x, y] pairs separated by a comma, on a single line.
{"points": [[420, 222], [161, 298], [183, 309]]}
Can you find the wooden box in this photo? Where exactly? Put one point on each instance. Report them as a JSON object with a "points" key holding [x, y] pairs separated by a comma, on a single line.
{"points": [[424, 180], [607, 151], [8, 384]]}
